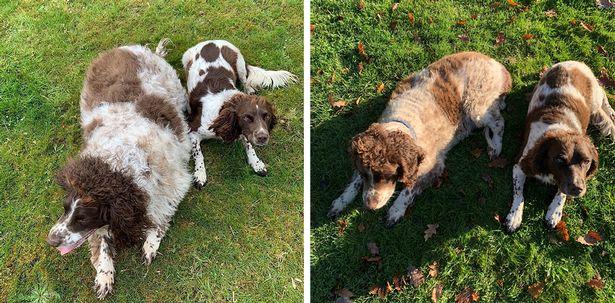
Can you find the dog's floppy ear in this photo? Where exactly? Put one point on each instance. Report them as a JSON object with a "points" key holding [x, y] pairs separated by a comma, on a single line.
{"points": [[536, 160], [593, 168], [226, 125], [409, 156]]}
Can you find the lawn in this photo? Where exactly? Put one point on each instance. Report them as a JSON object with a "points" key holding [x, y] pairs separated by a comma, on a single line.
{"points": [[239, 239], [470, 246]]}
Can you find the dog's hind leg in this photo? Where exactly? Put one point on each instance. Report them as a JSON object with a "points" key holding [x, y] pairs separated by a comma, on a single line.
{"points": [[200, 174], [347, 196], [494, 131], [604, 118], [102, 259]]}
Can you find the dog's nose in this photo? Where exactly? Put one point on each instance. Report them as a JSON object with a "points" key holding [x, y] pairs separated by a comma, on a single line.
{"points": [[262, 138], [53, 240], [575, 190]]}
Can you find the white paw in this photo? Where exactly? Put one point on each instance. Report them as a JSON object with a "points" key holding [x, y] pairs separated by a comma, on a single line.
{"points": [[200, 178], [394, 215], [103, 284], [259, 167], [513, 220], [494, 151], [149, 252], [336, 209], [553, 217]]}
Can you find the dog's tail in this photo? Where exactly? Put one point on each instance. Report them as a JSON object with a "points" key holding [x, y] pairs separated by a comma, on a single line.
{"points": [[258, 77], [161, 48]]}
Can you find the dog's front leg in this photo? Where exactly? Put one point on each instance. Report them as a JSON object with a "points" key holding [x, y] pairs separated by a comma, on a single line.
{"points": [[513, 220], [101, 248], [347, 196], [554, 213], [397, 211], [153, 237], [200, 175], [257, 165]]}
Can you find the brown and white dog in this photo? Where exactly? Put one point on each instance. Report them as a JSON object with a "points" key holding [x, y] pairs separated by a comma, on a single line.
{"points": [[428, 113], [132, 171], [219, 109], [557, 149]]}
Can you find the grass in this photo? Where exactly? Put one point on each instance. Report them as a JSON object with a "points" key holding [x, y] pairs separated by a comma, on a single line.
{"points": [[239, 239], [470, 246]]}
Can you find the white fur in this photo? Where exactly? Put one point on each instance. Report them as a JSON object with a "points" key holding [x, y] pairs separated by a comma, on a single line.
{"points": [[515, 216], [554, 213], [351, 191]]}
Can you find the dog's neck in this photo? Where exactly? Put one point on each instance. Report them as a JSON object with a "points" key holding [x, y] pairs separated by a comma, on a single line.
{"points": [[399, 124]]}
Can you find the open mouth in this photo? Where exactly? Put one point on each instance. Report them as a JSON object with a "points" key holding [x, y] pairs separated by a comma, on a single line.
{"points": [[64, 249]]}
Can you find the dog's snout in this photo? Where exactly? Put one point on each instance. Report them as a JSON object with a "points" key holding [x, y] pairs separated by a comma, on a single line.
{"points": [[53, 240], [262, 137]]}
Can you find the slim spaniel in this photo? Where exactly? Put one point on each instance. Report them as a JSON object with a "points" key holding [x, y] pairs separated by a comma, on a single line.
{"points": [[557, 149], [219, 109], [428, 113], [132, 171]]}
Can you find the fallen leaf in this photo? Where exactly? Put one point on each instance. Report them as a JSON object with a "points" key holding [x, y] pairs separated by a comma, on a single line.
{"points": [[590, 238], [536, 289], [373, 249], [463, 37], [500, 283], [477, 152], [397, 283], [395, 5], [495, 4], [467, 295], [361, 227], [336, 105], [411, 17], [416, 276], [596, 282], [430, 231], [380, 88], [562, 230], [602, 51], [512, 2], [461, 22], [500, 39], [474, 16], [433, 269], [605, 79], [361, 5], [389, 288], [312, 28], [342, 224], [487, 178], [605, 4], [360, 68], [497, 218], [586, 26], [436, 293], [499, 162], [573, 22], [527, 36], [361, 49], [551, 13], [375, 290]]}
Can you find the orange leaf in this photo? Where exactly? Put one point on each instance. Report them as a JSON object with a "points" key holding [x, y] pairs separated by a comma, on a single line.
{"points": [[361, 48], [467, 295], [433, 269], [395, 5], [586, 26], [512, 2], [361, 5], [374, 290], [461, 22], [527, 36], [411, 18], [360, 68], [596, 282], [591, 238], [436, 293], [500, 39], [536, 289], [551, 13], [311, 28], [389, 288], [342, 224], [380, 88], [562, 231], [336, 105]]}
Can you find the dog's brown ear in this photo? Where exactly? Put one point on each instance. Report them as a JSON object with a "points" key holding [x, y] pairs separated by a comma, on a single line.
{"points": [[226, 125], [593, 168], [536, 160], [409, 156], [273, 120]]}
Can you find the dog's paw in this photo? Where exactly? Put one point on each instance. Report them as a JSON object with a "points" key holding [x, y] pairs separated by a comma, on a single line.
{"points": [[103, 284], [259, 168], [553, 218], [334, 212], [199, 180], [149, 253], [513, 221], [393, 217], [494, 152]]}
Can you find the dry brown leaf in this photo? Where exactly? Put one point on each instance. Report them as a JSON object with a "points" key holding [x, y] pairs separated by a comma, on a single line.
{"points": [[467, 295], [605, 4], [393, 25], [430, 231], [562, 230], [591, 238], [336, 105], [389, 288], [361, 49], [342, 224], [461, 22], [586, 26], [500, 39], [474, 16], [596, 282], [411, 17], [512, 2], [395, 6], [536, 289], [416, 276], [551, 13], [312, 28], [360, 68], [605, 79], [397, 282], [495, 4], [433, 269], [602, 51], [527, 36], [380, 88], [573, 22], [374, 290], [361, 5], [499, 162], [500, 283], [477, 152], [463, 37], [487, 178], [436, 293], [373, 249], [497, 218]]}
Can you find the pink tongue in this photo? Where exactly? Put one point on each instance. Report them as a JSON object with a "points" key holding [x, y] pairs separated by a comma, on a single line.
{"points": [[65, 249]]}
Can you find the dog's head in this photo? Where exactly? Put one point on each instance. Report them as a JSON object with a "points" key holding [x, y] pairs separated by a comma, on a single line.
{"points": [[571, 159], [383, 157], [248, 115], [97, 197]]}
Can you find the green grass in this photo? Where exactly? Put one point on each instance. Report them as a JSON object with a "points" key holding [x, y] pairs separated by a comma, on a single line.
{"points": [[239, 239], [466, 221]]}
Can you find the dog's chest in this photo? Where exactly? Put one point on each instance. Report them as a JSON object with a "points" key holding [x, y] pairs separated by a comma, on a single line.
{"points": [[548, 179]]}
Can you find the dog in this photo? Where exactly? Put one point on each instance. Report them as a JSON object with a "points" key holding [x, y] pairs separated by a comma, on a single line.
{"points": [[428, 113], [220, 110], [556, 148], [132, 171]]}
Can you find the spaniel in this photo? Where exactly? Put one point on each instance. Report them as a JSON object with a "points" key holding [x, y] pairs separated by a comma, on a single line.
{"points": [[219, 109], [132, 171], [428, 113], [556, 148]]}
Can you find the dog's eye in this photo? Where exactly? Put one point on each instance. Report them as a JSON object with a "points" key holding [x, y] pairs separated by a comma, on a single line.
{"points": [[248, 118], [560, 160], [585, 162], [266, 116]]}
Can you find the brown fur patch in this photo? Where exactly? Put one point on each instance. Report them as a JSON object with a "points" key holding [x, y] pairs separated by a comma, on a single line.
{"points": [[210, 52], [556, 77], [404, 85], [121, 203], [112, 77], [231, 57], [201, 72], [160, 112], [88, 129], [389, 154], [188, 66], [582, 83]]}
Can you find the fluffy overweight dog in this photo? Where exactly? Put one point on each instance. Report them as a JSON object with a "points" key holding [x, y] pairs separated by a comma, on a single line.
{"points": [[219, 109], [131, 174], [429, 112], [557, 149]]}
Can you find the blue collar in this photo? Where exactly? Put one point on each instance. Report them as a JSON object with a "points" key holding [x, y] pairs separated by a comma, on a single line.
{"points": [[404, 122]]}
